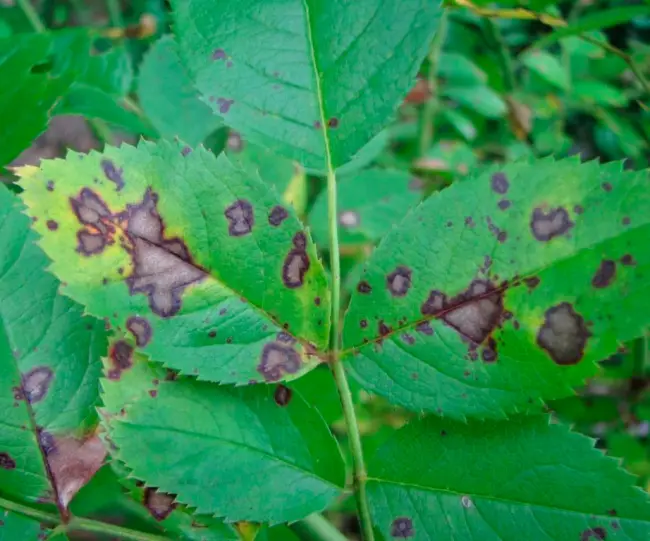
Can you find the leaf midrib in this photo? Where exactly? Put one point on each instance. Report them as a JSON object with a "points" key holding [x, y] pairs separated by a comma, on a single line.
{"points": [[509, 501]]}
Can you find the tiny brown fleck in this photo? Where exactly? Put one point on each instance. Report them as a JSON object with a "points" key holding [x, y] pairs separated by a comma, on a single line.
{"points": [[282, 395], [6, 462], [607, 186], [333, 123], [224, 105], [52, 225], [594, 534], [628, 260], [604, 274], [364, 287]]}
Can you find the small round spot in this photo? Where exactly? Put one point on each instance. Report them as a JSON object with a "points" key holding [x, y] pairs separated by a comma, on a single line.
{"points": [[402, 528], [52, 225], [607, 186], [282, 395], [333, 123], [364, 287]]}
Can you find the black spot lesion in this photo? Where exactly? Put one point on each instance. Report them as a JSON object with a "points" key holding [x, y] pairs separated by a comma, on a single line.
{"points": [[141, 330], [120, 356], [162, 268], [398, 282], [563, 334], [113, 173], [402, 528], [278, 215], [241, 218], [297, 262], [605, 274], [598, 533], [94, 215], [546, 225], [499, 183], [282, 395], [7, 462], [279, 358], [364, 287]]}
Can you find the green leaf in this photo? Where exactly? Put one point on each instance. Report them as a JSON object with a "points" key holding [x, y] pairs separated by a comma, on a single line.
{"points": [[187, 437], [524, 479], [503, 289], [238, 292], [49, 358], [457, 69], [327, 79], [481, 99], [463, 125], [169, 99], [16, 527], [596, 92], [598, 20], [547, 67], [370, 203]]}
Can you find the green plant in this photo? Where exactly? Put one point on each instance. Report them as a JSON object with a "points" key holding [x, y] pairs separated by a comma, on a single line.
{"points": [[173, 347]]}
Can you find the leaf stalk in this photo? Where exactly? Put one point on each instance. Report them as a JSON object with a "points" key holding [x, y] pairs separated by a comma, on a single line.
{"points": [[31, 15]]}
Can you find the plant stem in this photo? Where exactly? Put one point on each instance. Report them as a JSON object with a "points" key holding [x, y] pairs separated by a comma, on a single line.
{"points": [[32, 16], [338, 371], [505, 58], [25, 510], [317, 528], [115, 13], [110, 530], [432, 104]]}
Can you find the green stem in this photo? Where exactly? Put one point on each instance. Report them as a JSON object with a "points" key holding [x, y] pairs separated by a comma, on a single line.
{"points": [[317, 528], [115, 13], [41, 516], [505, 58], [338, 371], [433, 103], [32, 16]]}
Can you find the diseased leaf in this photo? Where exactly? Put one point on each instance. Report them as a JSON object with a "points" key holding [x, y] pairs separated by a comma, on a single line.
{"points": [[498, 481], [370, 203], [49, 361], [327, 79], [226, 286], [250, 442], [504, 289], [170, 100]]}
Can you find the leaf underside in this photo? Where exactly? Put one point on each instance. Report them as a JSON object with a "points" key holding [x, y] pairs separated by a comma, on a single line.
{"points": [[288, 95], [226, 286], [503, 289], [502, 481], [187, 437]]}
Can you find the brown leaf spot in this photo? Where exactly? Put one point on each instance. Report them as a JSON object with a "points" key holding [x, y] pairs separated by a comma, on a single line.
{"points": [[278, 215], [297, 263], [36, 383], [469, 222], [383, 328], [402, 528], [240, 217], [594, 534], [606, 186], [121, 357], [548, 225], [50, 186], [218, 54], [318, 125], [282, 395], [73, 463], [364, 287], [435, 303], [628, 260], [499, 183], [424, 327], [162, 268], [186, 150], [140, 329], [604, 274], [363, 323], [563, 335], [578, 209], [92, 213], [52, 225], [224, 105], [398, 282], [625, 220], [532, 282], [504, 204], [317, 301], [333, 123], [159, 504], [113, 174], [6, 462], [278, 358]]}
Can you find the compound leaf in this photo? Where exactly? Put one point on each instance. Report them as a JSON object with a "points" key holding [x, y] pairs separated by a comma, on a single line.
{"points": [[501, 481], [49, 361], [289, 95], [503, 289], [187, 437], [227, 286]]}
